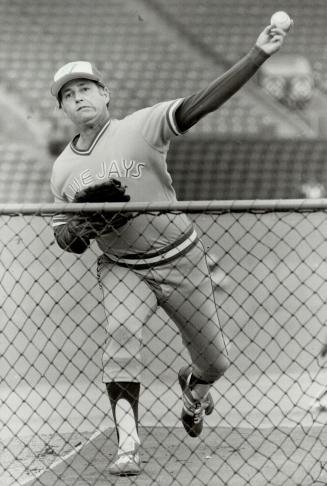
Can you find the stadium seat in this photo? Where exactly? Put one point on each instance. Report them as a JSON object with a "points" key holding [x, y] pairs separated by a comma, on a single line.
{"points": [[141, 66]]}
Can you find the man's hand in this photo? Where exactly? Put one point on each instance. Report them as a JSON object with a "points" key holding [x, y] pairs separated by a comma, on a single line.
{"points": [[271, 39]]}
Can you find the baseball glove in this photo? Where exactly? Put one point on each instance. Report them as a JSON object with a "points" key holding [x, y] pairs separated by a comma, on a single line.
{"points": [[109, 191], [92, 225]]}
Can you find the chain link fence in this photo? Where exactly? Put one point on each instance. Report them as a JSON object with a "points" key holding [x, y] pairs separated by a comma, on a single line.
{"points": [[268, 266]]}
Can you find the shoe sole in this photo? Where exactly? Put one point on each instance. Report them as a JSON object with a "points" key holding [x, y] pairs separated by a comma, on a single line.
{"points": [[125, 474], [182, 380], [131, 469], [121, 472]]}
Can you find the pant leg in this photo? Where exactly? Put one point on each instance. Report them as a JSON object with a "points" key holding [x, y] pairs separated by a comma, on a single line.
{"points": [[190, 302], [129, 303]]}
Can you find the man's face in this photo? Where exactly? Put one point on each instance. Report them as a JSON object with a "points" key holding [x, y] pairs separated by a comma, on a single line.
{"points": [[84, 101]]}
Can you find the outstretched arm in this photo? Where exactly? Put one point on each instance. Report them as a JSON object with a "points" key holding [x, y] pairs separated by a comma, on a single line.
{"points": [[209, 99]]}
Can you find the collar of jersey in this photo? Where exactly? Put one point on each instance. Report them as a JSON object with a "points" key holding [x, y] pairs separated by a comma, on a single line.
{"points": [[93, 144]]}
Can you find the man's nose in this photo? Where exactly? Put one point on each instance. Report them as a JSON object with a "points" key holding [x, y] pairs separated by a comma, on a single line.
{"points": [[78, 97]]}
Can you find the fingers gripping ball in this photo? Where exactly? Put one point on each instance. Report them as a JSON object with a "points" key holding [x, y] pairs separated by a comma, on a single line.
{"points": [[281, 20], [102, 222]]}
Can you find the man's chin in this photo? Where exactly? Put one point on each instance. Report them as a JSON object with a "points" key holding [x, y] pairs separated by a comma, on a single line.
{"points": [[83, 111], [86, 115]]}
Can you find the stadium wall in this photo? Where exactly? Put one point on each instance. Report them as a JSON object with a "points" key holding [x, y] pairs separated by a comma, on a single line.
{"points": [[209, 168]]}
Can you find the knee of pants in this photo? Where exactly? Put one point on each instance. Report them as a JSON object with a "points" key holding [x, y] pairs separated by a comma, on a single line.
{"points": [[221, 366]]}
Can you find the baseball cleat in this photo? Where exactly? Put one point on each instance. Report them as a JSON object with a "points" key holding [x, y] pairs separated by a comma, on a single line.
{"points": [[193, 408], [126, 463]]}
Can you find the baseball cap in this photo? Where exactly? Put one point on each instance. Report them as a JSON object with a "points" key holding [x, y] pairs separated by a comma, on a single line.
{"points": [[74, 70]]}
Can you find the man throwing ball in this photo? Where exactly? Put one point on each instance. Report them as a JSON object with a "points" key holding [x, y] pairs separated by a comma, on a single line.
{"points": [[147, 260]]}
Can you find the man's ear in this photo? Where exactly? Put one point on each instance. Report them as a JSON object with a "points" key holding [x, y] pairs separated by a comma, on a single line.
{"points": [[106, 94]]}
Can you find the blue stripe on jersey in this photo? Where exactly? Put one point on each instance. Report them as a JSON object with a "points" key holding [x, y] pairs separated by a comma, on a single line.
{"points": [[58, 220], [179, 248], [181, 239], [93, 144], [171, 117]]}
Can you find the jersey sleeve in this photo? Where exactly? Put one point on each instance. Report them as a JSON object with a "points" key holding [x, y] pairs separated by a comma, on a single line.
{"points": [[58, 219], [209, 99], [66, 239], [159, 125]]}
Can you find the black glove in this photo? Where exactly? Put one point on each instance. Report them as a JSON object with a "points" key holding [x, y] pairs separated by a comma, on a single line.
{"points": [[75, 235], [96, 224]]}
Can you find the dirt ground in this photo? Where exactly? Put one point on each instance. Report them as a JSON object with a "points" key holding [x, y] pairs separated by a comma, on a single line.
{"points": [[233, 457]]}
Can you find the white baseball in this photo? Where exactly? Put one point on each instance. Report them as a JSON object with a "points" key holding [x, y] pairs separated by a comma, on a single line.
{"points": [[281, 20]]}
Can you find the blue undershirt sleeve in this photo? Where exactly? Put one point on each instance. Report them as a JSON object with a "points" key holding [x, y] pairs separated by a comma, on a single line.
{"points": [[209, 99]]}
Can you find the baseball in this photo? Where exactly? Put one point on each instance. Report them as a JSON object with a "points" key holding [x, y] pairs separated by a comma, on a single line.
{"points": [[281, 20]]}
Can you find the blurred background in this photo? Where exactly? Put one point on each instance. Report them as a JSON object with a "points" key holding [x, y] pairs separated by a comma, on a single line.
{"points": [[269, 141]]}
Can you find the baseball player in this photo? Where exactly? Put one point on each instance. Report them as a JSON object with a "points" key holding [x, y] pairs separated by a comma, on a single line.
{"points": [[150, 259]]}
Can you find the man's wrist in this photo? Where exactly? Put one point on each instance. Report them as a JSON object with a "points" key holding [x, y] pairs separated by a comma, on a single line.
{"points": [[257, 55]]}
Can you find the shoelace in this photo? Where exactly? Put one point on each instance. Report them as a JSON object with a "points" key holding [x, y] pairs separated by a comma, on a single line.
{"points": [[198, 412], [195, 410], [193, 407]]}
